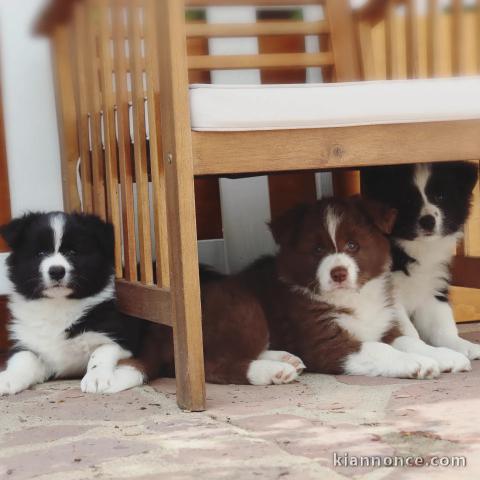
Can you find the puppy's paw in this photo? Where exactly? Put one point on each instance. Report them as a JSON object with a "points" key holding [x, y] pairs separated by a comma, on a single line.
{"points": [[9, 385], [125, 377], [267, 372], [97, 380], [451, 361], [285, 357], [420, 367], [466, 348]]}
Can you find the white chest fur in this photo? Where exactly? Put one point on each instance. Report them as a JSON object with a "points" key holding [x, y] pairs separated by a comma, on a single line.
{"points": [[428, 275], [372, 313], [40, 325]]}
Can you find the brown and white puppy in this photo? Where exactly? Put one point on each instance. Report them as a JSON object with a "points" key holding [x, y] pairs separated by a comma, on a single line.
{"points": [[326, 298]]}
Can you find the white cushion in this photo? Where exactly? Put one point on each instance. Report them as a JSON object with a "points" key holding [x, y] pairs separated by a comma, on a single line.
{"points": [[272, 107]]}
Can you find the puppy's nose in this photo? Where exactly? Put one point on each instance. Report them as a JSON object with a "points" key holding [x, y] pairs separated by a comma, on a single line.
{"points": [[339, 274], [427, 222], [57, 272]]}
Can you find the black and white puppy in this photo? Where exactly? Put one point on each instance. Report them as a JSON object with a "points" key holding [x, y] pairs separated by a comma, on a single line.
{"points": [[433, 203], [64, 321]]}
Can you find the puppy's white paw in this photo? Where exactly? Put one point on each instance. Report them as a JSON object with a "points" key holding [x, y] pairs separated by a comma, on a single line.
{"points": [[97, 380], [451, 361], [125, 377], [420, 367], [267, 372], [469, 349], [9, 385], [285, 357]]}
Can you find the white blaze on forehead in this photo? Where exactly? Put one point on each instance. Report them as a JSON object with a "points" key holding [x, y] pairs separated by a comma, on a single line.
{"points": [[422, 174], [57, 222], [332, 221], [421, 177]]}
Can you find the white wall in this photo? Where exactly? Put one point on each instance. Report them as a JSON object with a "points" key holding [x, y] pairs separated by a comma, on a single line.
{"points": [[29, 112]]}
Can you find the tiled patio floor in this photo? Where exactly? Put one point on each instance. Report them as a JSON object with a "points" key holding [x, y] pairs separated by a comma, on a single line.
{"points": [[56, 432]]}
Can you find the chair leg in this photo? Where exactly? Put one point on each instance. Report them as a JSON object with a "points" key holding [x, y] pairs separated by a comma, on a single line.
{"points": [[185, 293]]}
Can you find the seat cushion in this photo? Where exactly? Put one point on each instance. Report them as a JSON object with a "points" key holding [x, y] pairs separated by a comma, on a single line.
{"points": [[273, 107]]}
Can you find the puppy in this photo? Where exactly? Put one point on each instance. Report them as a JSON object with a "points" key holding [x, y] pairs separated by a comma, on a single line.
{"points": [[433, 203], [64, 321], [326, 298]]}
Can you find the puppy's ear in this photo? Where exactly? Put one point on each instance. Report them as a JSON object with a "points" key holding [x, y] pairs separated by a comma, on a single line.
{"points": [[381, 215], [284, 228], [103, 232], [466, 175], [14, 231]]}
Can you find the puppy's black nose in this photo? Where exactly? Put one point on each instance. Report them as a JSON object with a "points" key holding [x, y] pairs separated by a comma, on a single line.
{"points": [[427, 222], [339, 274], [56, 273]]}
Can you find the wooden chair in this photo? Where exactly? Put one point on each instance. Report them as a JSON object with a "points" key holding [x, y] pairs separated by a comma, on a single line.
{"points": [[89, 44]]}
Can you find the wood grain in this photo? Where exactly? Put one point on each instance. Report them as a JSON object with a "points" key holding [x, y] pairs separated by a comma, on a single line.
{"points": [[144, 301], [176, 139], [277, 150], [257, 29], [465, 272], [5, 213]]}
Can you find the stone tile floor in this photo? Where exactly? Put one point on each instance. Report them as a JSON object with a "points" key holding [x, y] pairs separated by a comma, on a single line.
{"points": [[55, 432]]}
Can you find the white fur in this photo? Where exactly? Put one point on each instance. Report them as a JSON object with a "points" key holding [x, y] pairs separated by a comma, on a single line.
{"points": [[124, 377], [421, 176], [100, 376], [448, 360], [266, 372], [380, 359], [425, 276], [330, 262], [39, 325], [54, 289], [373, 316], [24, 369], [332, 221], [285, 357], [436, 325]]}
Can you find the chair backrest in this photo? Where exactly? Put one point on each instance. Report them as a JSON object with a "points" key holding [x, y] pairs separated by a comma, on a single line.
{"points": [[415, 39]]}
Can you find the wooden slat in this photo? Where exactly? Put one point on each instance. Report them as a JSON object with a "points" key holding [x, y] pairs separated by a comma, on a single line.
{"points": [[124, 150], [108, 107], [256, 29], [66, 115], [156, 153], [89, 42], [271, 151], [141, 174], [465, 272], [391, 46], [258, 3], [344, 43], [433, 39], [285, 60], [81, 103], [184, 278], [411, 33], [5, 212], [471, 242], [477, 32], [144, 301], [458, 37], [465, 303]]}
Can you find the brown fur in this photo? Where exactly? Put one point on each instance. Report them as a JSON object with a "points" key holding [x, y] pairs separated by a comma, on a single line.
{"points": [[272, 303]]}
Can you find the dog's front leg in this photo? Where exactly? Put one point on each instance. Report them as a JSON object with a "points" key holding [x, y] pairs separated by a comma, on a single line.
{"points": [[24, 369], [101, 368], [436, 325], [380, 359]]}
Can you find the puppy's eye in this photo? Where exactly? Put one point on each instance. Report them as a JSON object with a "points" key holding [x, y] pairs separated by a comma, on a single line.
{"points": [[352, 246], [319, 250], [70, 253], [42, 253], [438, 197]]}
